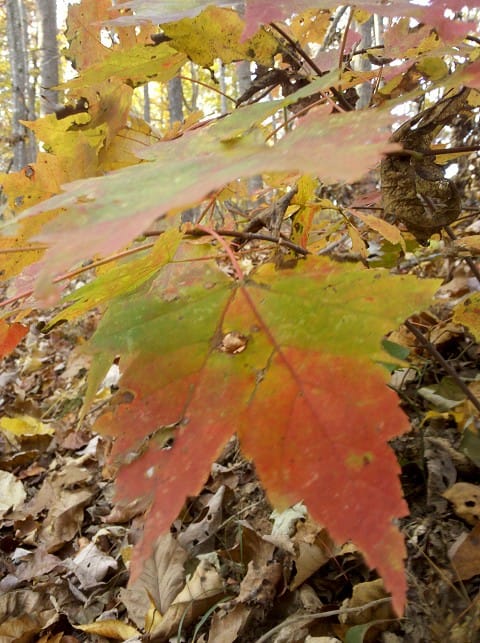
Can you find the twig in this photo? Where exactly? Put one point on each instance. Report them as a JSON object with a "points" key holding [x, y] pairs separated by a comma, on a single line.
{"points": [[213, 89], [281, 241], [318, 615], [298, 48], [332, 29], [78, 271], [343, 44], [468, 260], [443, 362], [459, 149], [332, 245], [343, 104]]}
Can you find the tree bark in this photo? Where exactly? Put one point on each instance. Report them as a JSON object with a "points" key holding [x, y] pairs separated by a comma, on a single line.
{"points": [[147, 115], [366, 30], [47, 22], [244, 80], [23, 150], [175, 100]]}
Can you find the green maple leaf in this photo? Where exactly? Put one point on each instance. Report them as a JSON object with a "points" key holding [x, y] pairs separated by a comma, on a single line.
{"points": [[286, 361]]}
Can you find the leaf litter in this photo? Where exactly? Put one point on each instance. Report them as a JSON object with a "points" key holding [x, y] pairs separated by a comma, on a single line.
{"points": [[230, 570]]}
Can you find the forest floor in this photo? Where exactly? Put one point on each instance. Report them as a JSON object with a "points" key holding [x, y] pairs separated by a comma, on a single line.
{"points": [[230, 570]]}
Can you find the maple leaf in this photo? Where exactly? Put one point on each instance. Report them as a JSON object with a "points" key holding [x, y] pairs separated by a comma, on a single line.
{"points": [[108, 212], [263, 12], [292, 353], [10, 336], [216, 33], [136, 65], [168, 11], [83, 32]]}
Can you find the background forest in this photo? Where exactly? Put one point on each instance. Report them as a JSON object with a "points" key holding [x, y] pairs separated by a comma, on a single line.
{"points": [[240, 292]]}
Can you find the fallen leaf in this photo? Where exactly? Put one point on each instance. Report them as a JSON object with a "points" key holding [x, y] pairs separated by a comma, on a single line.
{"points": [[161, 579], [465, 554], [199, 536], [465, 498], [362, 594], [12, 493], [24, 425], [202, 589], [91, 565], [111, 629]]}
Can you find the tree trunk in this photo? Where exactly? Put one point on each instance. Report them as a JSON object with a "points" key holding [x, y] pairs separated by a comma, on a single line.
{"points": [[366, 30], [244, 80], [23, 151], [47, 22], [175, 100], [147, 115], [223, 88]]}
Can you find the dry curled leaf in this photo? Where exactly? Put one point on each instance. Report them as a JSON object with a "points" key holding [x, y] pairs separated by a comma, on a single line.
{"points": [[465, 498], [415, 189]]}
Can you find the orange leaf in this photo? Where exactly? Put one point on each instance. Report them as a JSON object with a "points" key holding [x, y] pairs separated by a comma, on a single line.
{"points": [[10, 336]]}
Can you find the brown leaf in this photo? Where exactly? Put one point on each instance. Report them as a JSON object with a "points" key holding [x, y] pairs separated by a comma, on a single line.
{"points": [[162, 577], [12, 493], [201, 591], [226, 627], [23, 613], [199, 537], [364, 593], [91, 566], [37, 564], [465, 554]]}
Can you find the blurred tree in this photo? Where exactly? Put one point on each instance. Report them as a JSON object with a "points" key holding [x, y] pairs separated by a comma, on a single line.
{"points": [[18, 53], [47, 25]]}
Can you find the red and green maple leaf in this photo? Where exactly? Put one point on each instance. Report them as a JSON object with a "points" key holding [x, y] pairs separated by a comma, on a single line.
{"points": [[285, 359]]}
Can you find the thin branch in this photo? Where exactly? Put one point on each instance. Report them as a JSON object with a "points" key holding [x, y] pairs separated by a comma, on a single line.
{"points": [[298, 48], [344, 40], [474, 39], [281, 241], [78, 271], [443, 362], [301, 112], [306, 618], [343, 104], [213, 89], [450, 150], [332, 29]]}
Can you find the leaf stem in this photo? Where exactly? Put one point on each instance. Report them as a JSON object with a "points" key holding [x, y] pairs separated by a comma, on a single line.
{"points": [[226, 247]]}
